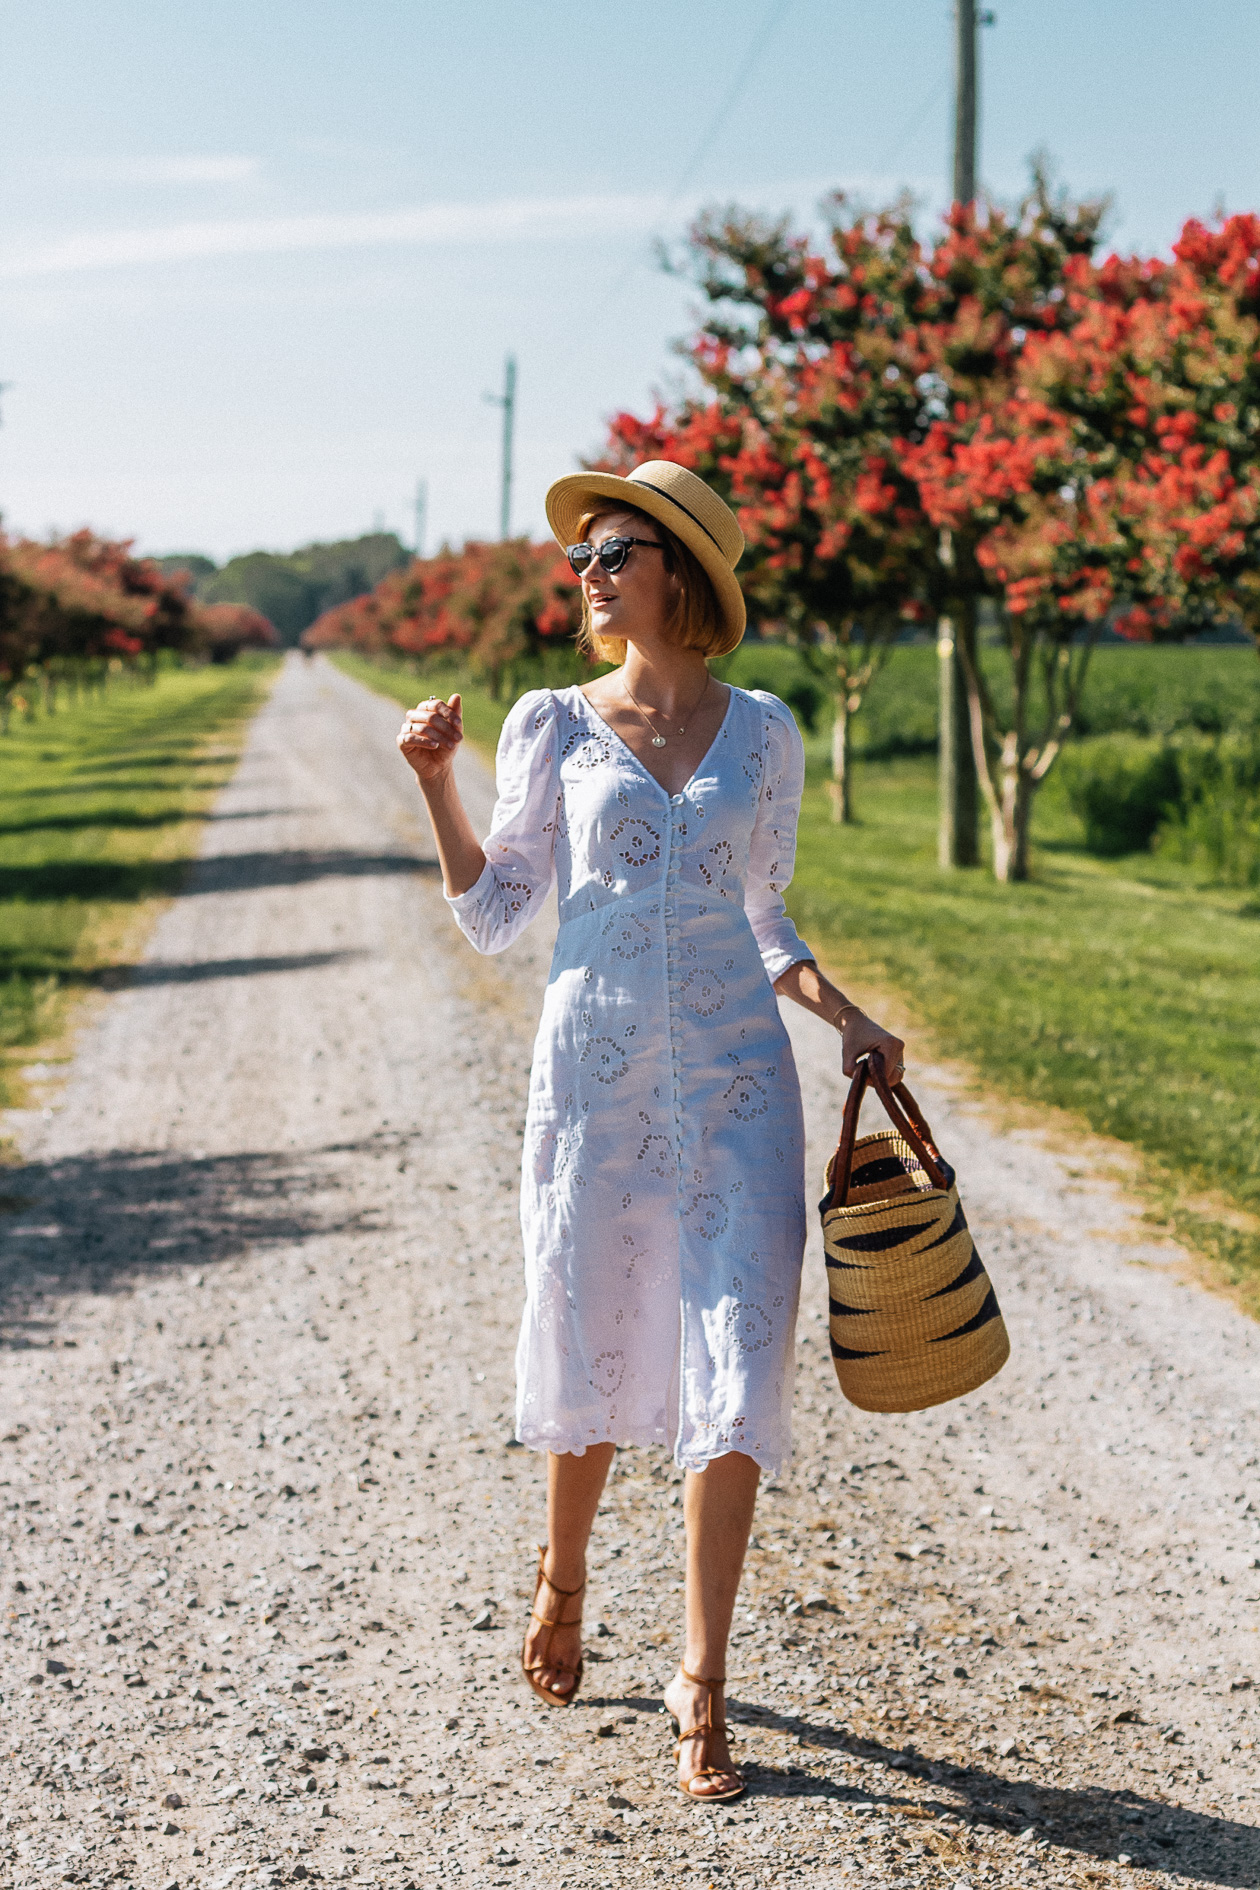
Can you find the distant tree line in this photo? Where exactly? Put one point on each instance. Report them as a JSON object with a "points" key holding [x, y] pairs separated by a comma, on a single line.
{"points": [[292, 588]]}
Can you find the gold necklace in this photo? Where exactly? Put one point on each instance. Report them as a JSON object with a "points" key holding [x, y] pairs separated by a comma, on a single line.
{"points": [[658, 740]]}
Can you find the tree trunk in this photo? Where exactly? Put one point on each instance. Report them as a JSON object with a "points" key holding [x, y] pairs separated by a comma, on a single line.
{"points": [[841, 796], [1025, 789], [1002, 810], [1010, 814]]}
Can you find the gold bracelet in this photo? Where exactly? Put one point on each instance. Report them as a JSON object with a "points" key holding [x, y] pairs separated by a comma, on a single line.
{"points": [[844, 1009]]}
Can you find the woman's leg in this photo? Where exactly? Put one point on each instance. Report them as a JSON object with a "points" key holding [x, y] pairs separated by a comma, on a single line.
{"points": [[574, 1487], [718, 1511]]}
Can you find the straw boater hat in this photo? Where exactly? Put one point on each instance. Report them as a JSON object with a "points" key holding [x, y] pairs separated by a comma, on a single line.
{"points": [[682, 503]]}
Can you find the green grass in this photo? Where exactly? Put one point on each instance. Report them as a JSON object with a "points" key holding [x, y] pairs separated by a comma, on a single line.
{"points": [[1135, 689], [1124, 991], [98, 813], [1121, 990]]}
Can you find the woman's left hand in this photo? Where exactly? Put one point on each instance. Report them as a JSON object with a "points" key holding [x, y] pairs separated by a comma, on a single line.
{"points": [[860, 1034]]}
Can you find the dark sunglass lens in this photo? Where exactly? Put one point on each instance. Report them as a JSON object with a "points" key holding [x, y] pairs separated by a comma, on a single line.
{"points": [[613, 553], [579, 557]]}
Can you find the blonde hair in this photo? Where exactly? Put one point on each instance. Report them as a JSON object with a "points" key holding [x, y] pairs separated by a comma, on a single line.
{"points": [[696, 621]]}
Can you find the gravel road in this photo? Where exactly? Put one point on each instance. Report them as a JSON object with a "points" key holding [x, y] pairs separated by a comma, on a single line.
{"points": [[268, 1540]]}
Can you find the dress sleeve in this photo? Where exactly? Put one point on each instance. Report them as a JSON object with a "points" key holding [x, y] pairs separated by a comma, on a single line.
{"points": [[520, 847], [772, 852]]}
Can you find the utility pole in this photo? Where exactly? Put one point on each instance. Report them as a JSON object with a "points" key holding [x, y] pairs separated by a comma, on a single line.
{"points": [[958, 831], [966, 23], [422, 514], [506, 400]]}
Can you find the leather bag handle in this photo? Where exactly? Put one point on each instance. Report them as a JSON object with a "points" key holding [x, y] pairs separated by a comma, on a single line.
{"points": [[904, 1114]]}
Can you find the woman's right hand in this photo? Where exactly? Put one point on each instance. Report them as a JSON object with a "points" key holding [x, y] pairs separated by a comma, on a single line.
{"points": [[429, 737]]}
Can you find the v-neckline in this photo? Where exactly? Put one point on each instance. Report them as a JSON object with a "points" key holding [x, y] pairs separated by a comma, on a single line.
{"points": [[641, 766]]}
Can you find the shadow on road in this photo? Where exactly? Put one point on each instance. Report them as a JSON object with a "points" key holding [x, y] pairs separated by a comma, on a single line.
{"points": [[133, 818], [90, 1223], [128, 977], [1089, 1820], [228, 872]]}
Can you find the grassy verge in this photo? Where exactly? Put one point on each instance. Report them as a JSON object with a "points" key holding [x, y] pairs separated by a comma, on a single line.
{"points": [[1120, 990], [1123, 991], [100, 811]]}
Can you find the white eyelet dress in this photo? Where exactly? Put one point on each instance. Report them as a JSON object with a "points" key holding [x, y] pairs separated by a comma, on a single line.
{"points": [[662, 1197]]}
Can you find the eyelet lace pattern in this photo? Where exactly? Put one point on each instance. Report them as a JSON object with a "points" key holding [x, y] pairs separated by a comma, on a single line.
{"points": [[662, 1196]]}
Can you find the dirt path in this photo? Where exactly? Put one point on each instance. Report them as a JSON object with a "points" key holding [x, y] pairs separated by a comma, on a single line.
{"points": [[267, 1544]]}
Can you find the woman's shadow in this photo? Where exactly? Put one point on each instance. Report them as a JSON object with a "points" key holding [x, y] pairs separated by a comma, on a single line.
{"points": [[1094, 1822]]}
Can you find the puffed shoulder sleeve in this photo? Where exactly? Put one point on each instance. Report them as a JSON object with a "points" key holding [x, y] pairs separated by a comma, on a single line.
{"points": [[772, 852], [520, 847]]}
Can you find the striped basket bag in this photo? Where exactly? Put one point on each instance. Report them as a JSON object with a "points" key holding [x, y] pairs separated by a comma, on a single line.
{"points": [[914, 1318]]}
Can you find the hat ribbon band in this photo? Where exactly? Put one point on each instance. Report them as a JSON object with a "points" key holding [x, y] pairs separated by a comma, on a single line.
{"points": [[662, 494]]}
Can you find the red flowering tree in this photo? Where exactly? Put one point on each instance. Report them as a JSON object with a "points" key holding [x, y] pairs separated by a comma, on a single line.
{"points": [[1160, 376], [74, 607], [71, 607], [226, 629], [493, 603], [879, 415], [801, 397]]}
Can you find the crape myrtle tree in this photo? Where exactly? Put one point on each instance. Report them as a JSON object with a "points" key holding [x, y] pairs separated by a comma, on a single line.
{"points": [[1119, 473], [73, 608], [493, 604], [1160, 374], [1020, 515], [872, 411], [802, 392]]}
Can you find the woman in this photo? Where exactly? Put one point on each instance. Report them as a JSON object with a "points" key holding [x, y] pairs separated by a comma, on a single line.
{"points": [[662, 1196]]}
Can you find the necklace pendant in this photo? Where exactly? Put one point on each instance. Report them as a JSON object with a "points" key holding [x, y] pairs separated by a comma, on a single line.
{"points": [[658, 741]]}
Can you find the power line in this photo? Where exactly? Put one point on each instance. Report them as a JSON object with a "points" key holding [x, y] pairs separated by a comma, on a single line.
{"points": [[769, 26]]}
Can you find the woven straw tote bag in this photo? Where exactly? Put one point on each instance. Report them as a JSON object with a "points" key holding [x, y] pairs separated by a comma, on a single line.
{"points": [[914, 1318]]}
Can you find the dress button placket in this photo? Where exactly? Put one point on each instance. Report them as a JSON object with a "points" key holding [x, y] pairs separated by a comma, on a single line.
{"points": [[673, 956]]}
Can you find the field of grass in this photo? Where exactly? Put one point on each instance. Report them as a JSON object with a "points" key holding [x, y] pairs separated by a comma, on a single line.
{"points": [[1132, 689], [98, 813], [1124, 991], [1120, 990]]}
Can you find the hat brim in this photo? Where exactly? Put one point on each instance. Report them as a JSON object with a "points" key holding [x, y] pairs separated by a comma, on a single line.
{"points": [[571, 497]]}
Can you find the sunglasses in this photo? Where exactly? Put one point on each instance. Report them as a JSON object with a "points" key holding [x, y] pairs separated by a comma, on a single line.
{"points": [[612, 554]]}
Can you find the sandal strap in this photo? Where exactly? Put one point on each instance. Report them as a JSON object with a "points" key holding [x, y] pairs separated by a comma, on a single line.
{"points": [[699, 1732], [545, 1620], [708, 1725], [555, 1588]]}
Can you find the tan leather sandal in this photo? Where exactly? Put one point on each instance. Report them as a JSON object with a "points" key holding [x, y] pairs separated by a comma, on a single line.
{"points": [[530, 1668], [703, 1732]]}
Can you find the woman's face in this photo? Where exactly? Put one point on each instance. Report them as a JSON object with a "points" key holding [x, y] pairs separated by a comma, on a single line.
{"points": [[636, 601]]}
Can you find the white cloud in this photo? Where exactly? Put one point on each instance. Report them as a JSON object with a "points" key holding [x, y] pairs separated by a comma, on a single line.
{"points": [[169, 170], [508, 220]]}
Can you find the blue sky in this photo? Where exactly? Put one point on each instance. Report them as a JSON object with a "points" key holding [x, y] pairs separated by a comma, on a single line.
{"points": [[260, 262]]}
